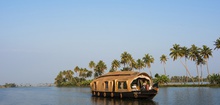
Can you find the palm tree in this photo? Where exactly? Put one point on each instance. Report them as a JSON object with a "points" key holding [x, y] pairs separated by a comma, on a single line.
{"points": [[99, 69], [125, 58], [140, 64], [163, 60], [148, 59], [59, 79], [217, 44], [200, 61], [133, 64], [69, 75], [205, 53], [92, 64], [177, 52], [76, 69], [115, 65], [194, 54], [185, 52]]}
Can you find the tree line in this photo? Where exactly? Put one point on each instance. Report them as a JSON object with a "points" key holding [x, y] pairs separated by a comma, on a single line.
{"points": [[127, 63]]}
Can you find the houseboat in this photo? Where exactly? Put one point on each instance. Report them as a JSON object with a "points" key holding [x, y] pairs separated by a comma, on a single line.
{"points": [[124, 84]]}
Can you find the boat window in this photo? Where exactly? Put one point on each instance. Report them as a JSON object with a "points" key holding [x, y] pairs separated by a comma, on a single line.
{"points": [[106, 84], [122, 85]]}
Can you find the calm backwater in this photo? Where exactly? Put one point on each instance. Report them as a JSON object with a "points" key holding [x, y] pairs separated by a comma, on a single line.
{"points": [[82, 96]]}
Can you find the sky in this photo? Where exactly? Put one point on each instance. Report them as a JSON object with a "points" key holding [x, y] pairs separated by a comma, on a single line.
{"points": [[38, 39]]}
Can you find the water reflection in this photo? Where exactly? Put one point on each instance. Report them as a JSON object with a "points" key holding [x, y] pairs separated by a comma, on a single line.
{"points": [[116, 101]]}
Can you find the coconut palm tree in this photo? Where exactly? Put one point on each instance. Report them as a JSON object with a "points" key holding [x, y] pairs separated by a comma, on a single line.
{"points": [[194, 54], [163, 60], [205, 53], [140, 64], [76, 69], [148, 59], [185, 52], [133, 64], [69, 75], [177, 53], [125, 58], [217, 44], [92, 64], [115, 65], [99, 69], [200, 62], [59, 79]]}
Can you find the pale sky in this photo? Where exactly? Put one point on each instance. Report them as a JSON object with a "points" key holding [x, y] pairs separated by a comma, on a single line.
{"points": [[40, 38]]}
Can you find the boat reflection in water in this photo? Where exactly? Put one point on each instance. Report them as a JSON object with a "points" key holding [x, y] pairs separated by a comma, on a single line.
{"points": [[118, 101]]}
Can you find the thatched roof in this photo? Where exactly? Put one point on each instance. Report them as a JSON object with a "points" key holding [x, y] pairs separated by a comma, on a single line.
{"points": [[120, 75]]}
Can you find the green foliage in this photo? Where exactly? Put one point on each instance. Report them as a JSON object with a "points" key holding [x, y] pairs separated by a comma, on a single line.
{"points": [[161, 79], [65, 78], [9, 85], [214, 79]]}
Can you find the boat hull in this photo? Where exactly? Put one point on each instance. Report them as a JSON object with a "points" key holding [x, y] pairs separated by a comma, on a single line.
{"points": [[134, 94]]}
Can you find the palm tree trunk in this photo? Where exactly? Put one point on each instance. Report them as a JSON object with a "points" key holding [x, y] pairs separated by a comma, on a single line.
{"points": [[207, 68], [198, 73], [164, 69], [150, 73], [201, 75], [187, 71]]}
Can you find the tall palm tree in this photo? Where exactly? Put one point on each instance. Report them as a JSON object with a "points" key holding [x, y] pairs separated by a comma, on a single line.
{"points": [[140, 64], [148, 59], [125, 58], [177, 53], [133, 64], [205, 53], [200, 61], [217, 44], [194, 54], [115, 65], [163, 60], [92, 64], [185, 52], [99, 69]]}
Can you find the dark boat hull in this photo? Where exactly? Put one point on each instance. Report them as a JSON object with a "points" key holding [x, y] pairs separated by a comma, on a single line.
{"points": [[134, 94]]}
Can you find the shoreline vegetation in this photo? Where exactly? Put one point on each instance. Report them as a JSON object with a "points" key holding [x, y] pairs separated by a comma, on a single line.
{"points": [[199, 56]]}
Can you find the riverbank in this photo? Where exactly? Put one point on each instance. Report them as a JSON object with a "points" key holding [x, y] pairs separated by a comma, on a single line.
{"points": [[190, 85]]}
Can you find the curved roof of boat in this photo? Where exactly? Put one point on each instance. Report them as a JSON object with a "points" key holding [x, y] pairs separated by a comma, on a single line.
{"points": [[121, 75]]}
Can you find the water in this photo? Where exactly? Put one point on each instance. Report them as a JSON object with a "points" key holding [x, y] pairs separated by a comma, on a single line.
{"points": [[82, 96]]}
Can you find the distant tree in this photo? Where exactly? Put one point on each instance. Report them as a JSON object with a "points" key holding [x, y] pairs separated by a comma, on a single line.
{"points": [[140, 64], [148, 59], [163, 60], [76, 69], [185, 52], [115, 65], [99, 69], [125, 59], [133, 64], [59, 79], [161, 79], [194, 55], [200, 61], [214, 79], [92, 64], [217, 44], [177, 52], [205, 53]]}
